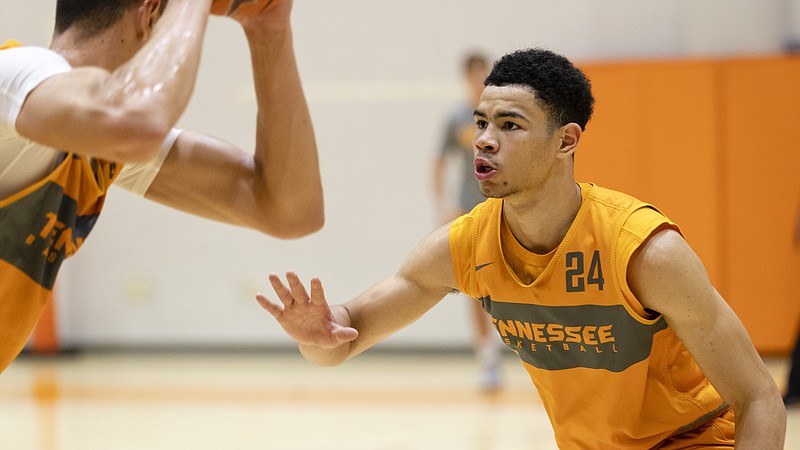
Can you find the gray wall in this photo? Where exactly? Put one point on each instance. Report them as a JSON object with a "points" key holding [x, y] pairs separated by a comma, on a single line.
{"points": [[379, 76]]}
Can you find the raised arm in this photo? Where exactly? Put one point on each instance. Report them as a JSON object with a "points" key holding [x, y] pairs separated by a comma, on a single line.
{"points": [[329, 335], [275, 189], [667, 276], [125, 114]]}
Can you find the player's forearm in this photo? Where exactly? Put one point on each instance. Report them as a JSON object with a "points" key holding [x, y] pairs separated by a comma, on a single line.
{"points": [[761, 425], [286, 149]]}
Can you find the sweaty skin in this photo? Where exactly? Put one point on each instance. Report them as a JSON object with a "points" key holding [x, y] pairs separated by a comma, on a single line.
{"points": [[130, 94]]}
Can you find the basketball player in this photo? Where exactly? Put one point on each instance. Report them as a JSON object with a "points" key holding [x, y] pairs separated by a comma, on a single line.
{"points": [[99, 106], [610, 311]]}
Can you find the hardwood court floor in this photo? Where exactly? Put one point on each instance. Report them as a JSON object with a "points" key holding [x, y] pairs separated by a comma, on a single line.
{"points": [[249, 401]]}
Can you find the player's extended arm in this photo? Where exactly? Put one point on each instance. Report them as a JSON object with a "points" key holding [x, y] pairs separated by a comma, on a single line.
{"points": [[327, 335], [126, 114], [667, 276], [276, 190]]}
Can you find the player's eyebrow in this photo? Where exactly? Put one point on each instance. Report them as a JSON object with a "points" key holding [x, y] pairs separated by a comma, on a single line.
{"points": [[512, 114]]}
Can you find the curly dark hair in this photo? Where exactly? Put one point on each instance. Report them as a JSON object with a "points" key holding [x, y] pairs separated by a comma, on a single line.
{"points": [[561, 89], [93, 16]]}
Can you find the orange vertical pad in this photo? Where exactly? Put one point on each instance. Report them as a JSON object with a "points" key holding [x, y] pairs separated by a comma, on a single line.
{"points": [[761, 130], [653, 136], [714, 143]]}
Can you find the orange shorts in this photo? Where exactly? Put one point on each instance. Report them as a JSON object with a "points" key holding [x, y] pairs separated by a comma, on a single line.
{"points": [[716, 433]]}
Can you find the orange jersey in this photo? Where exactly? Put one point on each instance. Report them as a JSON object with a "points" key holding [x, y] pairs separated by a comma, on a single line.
{"points": [[609, 373], [40, 227]]}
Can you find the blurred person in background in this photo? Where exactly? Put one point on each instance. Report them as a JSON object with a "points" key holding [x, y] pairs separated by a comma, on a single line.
{"points": [[456, 153]]}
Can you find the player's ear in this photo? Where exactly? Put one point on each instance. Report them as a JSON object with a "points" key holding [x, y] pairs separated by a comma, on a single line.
{"points": [[149, 14], [570, 134]]}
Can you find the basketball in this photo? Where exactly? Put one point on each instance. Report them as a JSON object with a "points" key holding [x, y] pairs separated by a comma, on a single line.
{"points": [[239, 8]]}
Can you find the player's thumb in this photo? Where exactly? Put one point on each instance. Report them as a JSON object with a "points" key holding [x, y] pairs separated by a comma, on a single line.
{"points": [[345, 334]]}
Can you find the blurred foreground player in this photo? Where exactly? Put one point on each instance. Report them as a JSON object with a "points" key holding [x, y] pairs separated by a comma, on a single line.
{"points": [[610, 311], [99, 106]]}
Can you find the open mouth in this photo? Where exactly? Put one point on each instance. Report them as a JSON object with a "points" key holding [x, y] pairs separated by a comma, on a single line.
{"points": [[483, 168], [483, 165]]}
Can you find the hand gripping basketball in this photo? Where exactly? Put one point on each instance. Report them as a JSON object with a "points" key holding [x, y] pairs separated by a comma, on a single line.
{"points": [[238, 8]]}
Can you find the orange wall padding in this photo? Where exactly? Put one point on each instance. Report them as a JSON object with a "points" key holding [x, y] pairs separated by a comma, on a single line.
{"points": [[715, 144]]}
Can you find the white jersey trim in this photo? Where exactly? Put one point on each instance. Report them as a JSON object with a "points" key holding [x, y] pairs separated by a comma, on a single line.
{"points": [[137, 178], [24, 162]]}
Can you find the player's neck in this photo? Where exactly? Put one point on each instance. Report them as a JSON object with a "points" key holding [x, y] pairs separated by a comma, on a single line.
{"points": [[108, 50], [541, 220]]}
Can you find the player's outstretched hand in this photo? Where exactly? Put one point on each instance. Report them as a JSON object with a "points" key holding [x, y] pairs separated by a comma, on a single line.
{"points": [[306, 319]]}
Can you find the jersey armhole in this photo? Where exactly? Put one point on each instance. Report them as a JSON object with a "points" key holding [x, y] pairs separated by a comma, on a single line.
{"points": [[640, 225]]}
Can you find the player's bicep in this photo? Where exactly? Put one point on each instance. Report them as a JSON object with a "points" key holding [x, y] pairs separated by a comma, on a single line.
{"points": [[215, 179], [209, 178], [668, 277], [52, 109], [429, 266]]}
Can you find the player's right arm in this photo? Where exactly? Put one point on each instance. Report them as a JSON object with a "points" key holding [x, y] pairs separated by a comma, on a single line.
{"points": [[329, 335], [126, 114]]}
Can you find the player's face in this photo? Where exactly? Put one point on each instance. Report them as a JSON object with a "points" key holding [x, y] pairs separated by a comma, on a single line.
{"points": [[514, 149]]}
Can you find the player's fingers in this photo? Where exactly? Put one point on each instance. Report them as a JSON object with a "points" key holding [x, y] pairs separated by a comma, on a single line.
{"points": [[283, 292], [297, 288], [273, 308], [317, 293]]}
